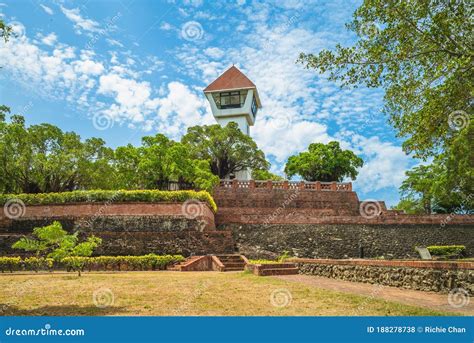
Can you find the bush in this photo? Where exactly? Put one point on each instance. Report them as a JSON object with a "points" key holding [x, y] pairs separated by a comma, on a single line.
{"points": [[446, 250], [110, 196], [10, 264], [38, 263], [144, 262]]}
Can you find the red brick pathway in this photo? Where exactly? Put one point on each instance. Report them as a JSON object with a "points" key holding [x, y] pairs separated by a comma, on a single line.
{"points": [[435, 301]]}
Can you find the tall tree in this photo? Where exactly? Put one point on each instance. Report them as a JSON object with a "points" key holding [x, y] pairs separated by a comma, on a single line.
{"points": [[5, 31], [324, 162], [421, 53], [160, 160], [227, 149]]}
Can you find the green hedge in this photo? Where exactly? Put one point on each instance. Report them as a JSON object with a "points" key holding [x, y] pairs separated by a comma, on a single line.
{"points": [[445, 250], [30, 263], [110, 195], [145, 262]]}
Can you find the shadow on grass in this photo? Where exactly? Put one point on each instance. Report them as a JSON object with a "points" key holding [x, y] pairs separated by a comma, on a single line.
{"points": [[61, 310]]}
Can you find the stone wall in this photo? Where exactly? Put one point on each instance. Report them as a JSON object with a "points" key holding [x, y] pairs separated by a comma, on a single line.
{"points": [[343, 240], [419, 275], [126, 228]]}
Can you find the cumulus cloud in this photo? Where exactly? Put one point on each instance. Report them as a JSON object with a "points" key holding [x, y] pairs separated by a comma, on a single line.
{"points": [[50, 39]]}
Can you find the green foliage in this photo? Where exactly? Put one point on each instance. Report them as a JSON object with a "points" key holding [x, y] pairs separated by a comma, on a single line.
{"points": [[38, 263], [262, 174], [263, 261], [10, 264], [446, 250], [227, 149], [80, 263], [42, 158], [110, 196], [145, 262], [5, 31], [285, 255], [410, 206], [56, 244], [160, 160], [421, 53], [324, 162]]}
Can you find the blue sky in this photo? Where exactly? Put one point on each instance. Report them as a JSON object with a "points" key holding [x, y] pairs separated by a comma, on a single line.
{"points": [[120, 70]]}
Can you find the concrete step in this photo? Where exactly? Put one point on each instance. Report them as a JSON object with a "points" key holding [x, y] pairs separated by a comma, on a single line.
{"points": [[233, 269]]}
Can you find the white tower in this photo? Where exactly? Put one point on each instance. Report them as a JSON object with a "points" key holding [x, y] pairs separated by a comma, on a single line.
{"points": [[233, 97]]}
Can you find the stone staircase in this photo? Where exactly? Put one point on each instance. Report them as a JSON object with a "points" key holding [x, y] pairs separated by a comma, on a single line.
{"points": [[232, 262], [222, 263], [186, 265]]}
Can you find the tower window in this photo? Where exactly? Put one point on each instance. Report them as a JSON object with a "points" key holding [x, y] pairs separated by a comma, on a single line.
{"points": [[254, 107], [231, 99]]}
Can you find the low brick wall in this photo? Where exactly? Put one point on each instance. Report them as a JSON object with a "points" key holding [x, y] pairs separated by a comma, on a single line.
{"points": [[343, 240], [419, 275], [126, 228]]}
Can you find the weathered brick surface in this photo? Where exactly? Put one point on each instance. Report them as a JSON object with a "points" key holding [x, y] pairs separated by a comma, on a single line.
{"points": [[343, 240], [126, 228], [424, 276], [294, 206]]}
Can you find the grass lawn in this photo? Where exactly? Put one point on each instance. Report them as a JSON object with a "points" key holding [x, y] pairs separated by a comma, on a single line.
{"points": [[182, 294]]}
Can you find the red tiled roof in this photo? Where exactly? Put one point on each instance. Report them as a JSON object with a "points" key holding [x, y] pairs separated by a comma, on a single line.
{"points": [[232, 78]]}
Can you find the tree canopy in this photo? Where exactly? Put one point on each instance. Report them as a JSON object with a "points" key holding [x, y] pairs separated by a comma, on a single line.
{"points": [[227, 149], [421, 53], [324, 162]]}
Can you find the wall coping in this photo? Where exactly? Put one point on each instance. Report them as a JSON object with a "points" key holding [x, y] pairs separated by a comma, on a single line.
{"points": [[451, 265], [301, 185]]}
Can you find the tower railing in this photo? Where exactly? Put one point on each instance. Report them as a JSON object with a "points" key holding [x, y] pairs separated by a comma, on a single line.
{"points": [[295, 185]]}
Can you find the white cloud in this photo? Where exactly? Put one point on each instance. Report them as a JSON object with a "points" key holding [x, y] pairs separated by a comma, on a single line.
{"points": [[385, 163], [213, 52], [47, 9], [80, 23], [50, 39]]}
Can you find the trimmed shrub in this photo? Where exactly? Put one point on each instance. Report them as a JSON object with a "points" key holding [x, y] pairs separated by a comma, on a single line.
{"points": [[446, 250], [112, 196], [10, 264], [38, 263], [145, 262]]}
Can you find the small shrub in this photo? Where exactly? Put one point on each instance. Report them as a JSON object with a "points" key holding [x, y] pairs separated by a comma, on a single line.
{"points": [[446, 250], [263, 261], [10, 264], [38, 263]]}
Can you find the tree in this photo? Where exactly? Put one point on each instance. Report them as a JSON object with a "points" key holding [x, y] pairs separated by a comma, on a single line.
{"points": [[5, 31], [42, 158], [262, 174], [324, 162], [421, 53], [54, 242], [227, 149], [160, 160]]}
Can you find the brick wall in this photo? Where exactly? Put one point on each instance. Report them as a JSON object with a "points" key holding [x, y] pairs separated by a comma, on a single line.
{"points": [[126, 228], [309, 206]]}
